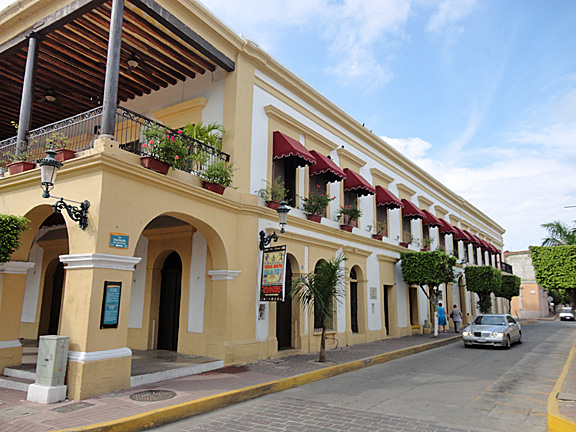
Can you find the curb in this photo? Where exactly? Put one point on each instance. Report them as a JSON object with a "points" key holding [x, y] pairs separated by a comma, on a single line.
{"points": [[556, 421], [184, 410]]}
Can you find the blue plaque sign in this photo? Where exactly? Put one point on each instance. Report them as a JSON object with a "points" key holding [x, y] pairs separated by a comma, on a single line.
{"points": [[111, 305], [119, 241]]}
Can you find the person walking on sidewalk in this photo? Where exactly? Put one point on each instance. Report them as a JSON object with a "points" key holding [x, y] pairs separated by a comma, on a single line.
{"points": [[441, 318], [456, 316]]}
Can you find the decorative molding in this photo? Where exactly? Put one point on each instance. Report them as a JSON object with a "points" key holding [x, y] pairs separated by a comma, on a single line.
{"points": [[16, 267], [353, 250], [384, 178], [10, 344], [345, 154], [388, 258], [441, 212], [80, 356], [423, 201], [273, 112], [224, 274], [95, 260], [403, 189]]}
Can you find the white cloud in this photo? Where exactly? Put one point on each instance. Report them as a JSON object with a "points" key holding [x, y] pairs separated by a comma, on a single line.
{"points": [[530, 179], [448, 14]]}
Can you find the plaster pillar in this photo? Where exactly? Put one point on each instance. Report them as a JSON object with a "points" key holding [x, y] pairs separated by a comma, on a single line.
{"points": [[98, 359], [12, 287]]}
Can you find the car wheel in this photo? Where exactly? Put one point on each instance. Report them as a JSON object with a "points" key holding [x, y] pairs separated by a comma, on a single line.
{"points": [[467, 345], [507, 343]]}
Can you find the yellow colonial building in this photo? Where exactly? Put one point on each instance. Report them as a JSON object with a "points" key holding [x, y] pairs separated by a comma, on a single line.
{"points": [[183, 261]]}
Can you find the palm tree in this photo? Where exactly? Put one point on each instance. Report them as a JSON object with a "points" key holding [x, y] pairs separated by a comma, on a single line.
{"points": [[559, 234], [320, 290]]}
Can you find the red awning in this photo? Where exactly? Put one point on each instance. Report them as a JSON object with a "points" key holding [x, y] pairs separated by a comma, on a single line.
{"points": [[430, 219], [325, 166], [411, 211], [493, 248], [461, 235], [476, 240], [446, 228], [355, 182], [284, 146], [385, 198]]}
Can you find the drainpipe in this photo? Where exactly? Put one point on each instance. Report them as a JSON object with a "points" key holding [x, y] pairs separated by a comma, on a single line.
{"points": [[112, 70], [27, 100]]}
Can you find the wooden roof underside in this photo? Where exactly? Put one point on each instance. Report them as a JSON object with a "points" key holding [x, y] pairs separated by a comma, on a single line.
{"points": [[72, 59]]}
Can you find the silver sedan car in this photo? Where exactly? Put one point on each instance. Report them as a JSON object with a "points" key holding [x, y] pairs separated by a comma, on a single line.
{"points": [[493, 329]]}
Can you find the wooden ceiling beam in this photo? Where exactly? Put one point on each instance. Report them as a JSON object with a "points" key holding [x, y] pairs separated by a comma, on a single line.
{"points": [[141, 27]]}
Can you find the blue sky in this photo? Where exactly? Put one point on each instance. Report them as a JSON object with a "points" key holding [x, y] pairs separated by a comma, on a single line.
{"points": [[479, 93]]}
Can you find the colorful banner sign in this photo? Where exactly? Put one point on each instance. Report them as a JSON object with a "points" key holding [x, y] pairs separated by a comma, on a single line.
{"points": [[273, 274]]}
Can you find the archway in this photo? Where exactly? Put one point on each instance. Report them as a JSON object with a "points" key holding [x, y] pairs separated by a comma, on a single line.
{"points": [[51, 299], [169, 304]]}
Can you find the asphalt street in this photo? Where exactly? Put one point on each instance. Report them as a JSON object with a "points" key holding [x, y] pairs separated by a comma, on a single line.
{"points": [[450, 388]]}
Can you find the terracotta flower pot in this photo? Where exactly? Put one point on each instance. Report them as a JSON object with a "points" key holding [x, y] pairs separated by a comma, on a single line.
{"points": [[154, 164], [377, 236], [273, 204], [20, 166], [314, 218], [404, 244], [64, 154], [213, 187], [346, 227]]}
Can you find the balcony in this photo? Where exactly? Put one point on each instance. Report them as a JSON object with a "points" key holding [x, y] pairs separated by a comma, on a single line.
{"points": [[506, 268], [81, 130]]}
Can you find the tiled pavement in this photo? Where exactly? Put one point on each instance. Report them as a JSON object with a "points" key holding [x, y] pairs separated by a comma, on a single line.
{"points": [[306, 416]]}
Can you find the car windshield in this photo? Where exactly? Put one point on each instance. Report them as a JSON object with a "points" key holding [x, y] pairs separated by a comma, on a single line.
{"points": [[490, 320], [568, 310]]}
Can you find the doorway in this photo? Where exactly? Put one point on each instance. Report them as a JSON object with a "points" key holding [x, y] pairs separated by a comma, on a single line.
{"points": [[413, 298], [353, 301], [386, 296], [284, 313], [169, 307], [51, 299]]}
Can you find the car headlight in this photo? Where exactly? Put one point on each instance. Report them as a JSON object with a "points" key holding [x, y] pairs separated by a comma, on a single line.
{"points": [[466, 333], [497, 335]]}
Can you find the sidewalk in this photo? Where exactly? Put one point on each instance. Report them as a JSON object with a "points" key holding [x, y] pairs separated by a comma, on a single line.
{"points": [[201, 393], [198, 394]]}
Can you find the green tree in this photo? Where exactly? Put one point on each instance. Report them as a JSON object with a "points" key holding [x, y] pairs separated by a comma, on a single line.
{"points": [[559, 234], [510, 288], [555, 268], [10, 229], [428, 270], [321, 290], [483, 280]]}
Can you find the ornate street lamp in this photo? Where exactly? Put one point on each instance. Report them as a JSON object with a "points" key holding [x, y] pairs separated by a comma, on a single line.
{"points": [[48, 169], [282, 211]]}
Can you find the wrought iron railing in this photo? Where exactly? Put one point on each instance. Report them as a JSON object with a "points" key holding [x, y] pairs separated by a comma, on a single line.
{"points": [[80, 131]]}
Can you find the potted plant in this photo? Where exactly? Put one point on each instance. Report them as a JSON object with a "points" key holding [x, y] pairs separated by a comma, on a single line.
{"points": [[210, 134], [316, 203], [163, 149], [58, 141], [407, 239], [274, 193], [381, 229], [21, 162], [348, 214], [426, 242], [217, 176]]}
